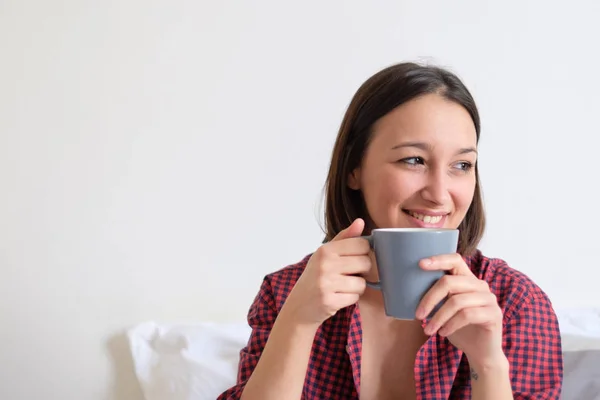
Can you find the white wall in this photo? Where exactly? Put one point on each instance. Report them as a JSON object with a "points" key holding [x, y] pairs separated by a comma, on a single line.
{"points": [[157, 158]]}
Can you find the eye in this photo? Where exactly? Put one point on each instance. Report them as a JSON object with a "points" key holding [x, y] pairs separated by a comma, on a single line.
{"points": [[464, 166], [412, 161]]}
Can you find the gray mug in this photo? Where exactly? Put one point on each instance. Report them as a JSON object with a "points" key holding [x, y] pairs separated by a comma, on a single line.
{"points": [[398, 252]]}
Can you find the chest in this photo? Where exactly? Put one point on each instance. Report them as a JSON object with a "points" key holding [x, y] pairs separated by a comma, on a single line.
{"points": [[388, 357], [352, 359]]}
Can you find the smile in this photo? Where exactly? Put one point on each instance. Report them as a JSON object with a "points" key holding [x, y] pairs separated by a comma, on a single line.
{"points": [[428, 219]]}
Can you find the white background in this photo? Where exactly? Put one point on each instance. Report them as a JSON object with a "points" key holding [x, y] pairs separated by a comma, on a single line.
{"points": [[157, 157]]}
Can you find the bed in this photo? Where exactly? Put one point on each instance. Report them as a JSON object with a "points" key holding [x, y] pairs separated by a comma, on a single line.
{"points": [[199, 361]]}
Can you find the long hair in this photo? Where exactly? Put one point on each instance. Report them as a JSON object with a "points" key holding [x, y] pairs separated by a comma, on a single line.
{"points": [[380, 94]]}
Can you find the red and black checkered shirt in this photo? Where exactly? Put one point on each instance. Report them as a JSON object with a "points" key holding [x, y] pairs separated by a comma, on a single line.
{"points": [[531, 341]]}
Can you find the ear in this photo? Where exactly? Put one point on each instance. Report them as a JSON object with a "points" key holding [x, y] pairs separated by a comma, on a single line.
{"points": [[354, 179]]}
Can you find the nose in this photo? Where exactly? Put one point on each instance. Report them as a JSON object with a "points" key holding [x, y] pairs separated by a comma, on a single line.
{"points": [[436, 188]]}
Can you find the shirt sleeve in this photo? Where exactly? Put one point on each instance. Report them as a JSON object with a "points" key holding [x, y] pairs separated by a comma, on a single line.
{"points": [[261, 317], [534, 350]]}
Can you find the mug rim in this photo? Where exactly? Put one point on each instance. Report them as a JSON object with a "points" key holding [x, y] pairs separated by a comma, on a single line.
{"points": [[413, 230]]}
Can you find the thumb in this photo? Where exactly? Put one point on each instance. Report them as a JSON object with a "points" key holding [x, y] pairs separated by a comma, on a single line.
{"points": [[355, 229]]}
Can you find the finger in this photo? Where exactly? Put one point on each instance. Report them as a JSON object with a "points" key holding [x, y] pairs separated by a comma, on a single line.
{"points": [[471, 316], [349, 247], [351, 265], [453, 263], [454, 305], [350, 284], [345, 299], [448, 285], [355, 229]]}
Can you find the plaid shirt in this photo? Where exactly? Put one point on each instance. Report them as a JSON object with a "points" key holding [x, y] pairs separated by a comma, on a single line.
{"points": [[531, 341]]}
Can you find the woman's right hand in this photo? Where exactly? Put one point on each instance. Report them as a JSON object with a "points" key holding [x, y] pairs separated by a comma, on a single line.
{"points": [[329, 282]]}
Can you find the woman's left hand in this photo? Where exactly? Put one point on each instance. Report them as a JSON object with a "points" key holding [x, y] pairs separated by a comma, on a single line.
{"points": [[470, 317]]}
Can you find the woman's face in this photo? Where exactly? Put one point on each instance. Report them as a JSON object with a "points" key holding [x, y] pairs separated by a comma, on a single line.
{"points": [[419, 169]]}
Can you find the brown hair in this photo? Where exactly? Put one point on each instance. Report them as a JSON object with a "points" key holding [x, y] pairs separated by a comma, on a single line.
{"points": [[380, 94]]}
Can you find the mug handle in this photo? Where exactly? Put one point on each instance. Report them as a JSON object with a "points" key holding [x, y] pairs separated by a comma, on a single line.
{"points": [[372, 285]]}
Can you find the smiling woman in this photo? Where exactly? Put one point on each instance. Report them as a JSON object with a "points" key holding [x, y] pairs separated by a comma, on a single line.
{"points": [[405, 157]]}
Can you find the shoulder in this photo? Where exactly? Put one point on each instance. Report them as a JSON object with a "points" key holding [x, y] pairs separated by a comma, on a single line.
{"points": [[513, 289], [278, 285]]}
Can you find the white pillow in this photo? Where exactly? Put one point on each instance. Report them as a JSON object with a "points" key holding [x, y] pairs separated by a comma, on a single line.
{"points": [[186, 362], [581, 357], [583, 321], [199, 361]]}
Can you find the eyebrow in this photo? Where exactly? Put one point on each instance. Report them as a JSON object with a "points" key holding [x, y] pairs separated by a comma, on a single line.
{"points": [[426, 147]]}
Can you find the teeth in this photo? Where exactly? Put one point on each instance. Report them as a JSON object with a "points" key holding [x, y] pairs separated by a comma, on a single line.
{"points": [[428, 219]]}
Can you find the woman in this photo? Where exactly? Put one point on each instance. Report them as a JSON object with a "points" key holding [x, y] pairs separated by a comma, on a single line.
{"points": [[405, 156]]}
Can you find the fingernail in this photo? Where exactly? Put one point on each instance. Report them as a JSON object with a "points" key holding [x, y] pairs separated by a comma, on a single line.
{"points": [[420, 314], [426, 262], [429, 330]]}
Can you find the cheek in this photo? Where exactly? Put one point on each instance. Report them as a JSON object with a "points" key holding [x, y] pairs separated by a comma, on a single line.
{"points": [[388, 189], [463, 194]]}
